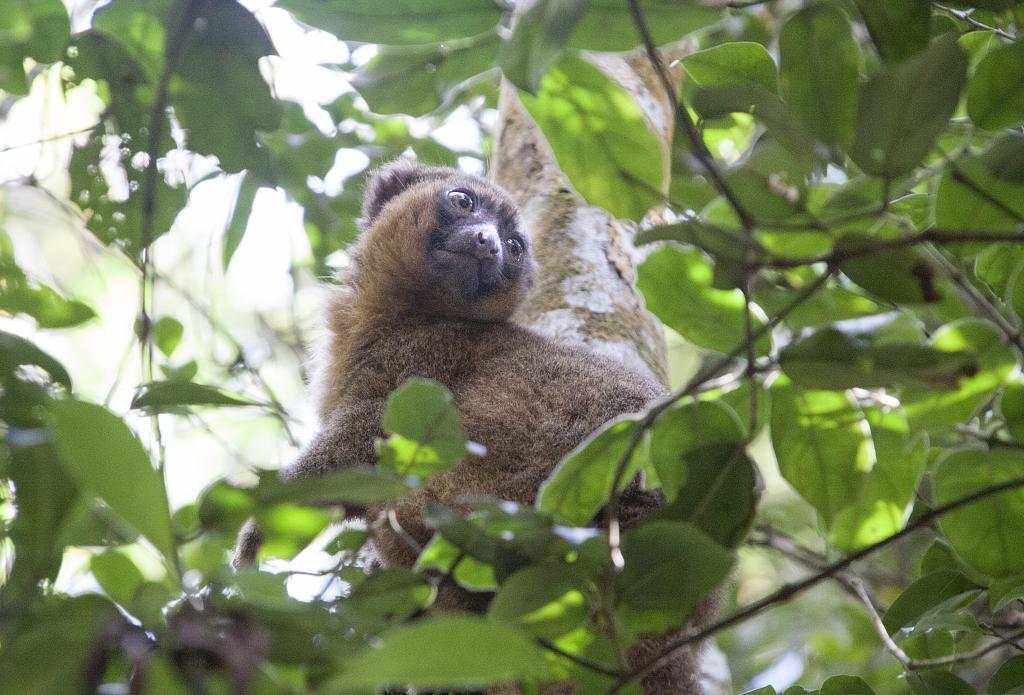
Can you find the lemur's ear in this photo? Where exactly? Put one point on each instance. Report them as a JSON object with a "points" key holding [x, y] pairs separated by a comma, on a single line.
{"points": [[390, 180]]}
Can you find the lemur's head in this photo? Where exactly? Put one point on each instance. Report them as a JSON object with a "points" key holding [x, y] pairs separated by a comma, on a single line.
{"points": [[440, 242]]}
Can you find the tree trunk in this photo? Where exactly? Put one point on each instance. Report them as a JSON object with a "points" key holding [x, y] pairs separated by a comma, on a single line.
{"points": [[586, 290]]}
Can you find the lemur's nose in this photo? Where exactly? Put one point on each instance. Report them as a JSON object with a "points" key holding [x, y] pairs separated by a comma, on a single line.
{"points": [[486, 242]]}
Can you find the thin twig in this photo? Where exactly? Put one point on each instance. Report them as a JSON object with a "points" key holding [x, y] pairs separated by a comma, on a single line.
{"points": [[965, 16], [48, 138], [579, 660], [883, 632], [790, 591]]}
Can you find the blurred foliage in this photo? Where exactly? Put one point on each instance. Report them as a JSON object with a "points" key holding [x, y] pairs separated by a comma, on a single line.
{"points": [[839, 259]]}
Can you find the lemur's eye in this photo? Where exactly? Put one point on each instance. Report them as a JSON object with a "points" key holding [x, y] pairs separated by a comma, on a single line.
{"points": [[515, 247], [461, 200]]}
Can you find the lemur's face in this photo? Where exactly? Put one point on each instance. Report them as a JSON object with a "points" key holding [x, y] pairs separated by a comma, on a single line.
{"points": [[455, 239], [476, 240]]}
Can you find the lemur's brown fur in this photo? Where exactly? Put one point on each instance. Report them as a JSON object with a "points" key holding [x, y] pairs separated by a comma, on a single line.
{"points": [[418, 302]]}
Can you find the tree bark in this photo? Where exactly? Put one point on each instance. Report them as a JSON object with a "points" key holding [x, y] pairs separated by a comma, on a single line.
{"points": [[586, 290]]}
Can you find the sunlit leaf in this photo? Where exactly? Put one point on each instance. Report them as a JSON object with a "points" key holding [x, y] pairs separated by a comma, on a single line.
{"points": [[426, 436], [580, 485], [164, 396], [599, 137], [882, 507], [996, 361], [167, 332], [106, 459], [997, 518], [544, 600], [821, 444], [677, 286]]}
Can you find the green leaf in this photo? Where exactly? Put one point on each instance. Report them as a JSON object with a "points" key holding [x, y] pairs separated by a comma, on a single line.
{"points": [[936, 682], [732, 63], [36, 29], [684, 429], [580, 485], [996, 361], [972, 198], [223, 109], [1008, 678], [925, 594], [469, 573], [904, 108], [15, 352], [49, 655], [999, 519], [729, 245], [748, 98], [389, 595], [1011, 405], [420, 79], [821, 445], [660, 585], [459, 652], [845, 685], [106, 459], [720, 493], [397, 22], [832, 359], [600, 138], [1005, 158], [112, 214], [898, 29], [538, 40], [426, 436], [166, 396], [45, 496], [995, 97], [239, 219], [167, 333], [905, 276], [1003, 592], [546, 601], [50, 310], [677, 287], [608, 24], [117, 575], [882, 506], [819, 71]]}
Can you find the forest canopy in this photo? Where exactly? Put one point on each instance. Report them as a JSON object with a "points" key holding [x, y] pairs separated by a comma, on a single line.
{"points": [[829, 217]]}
